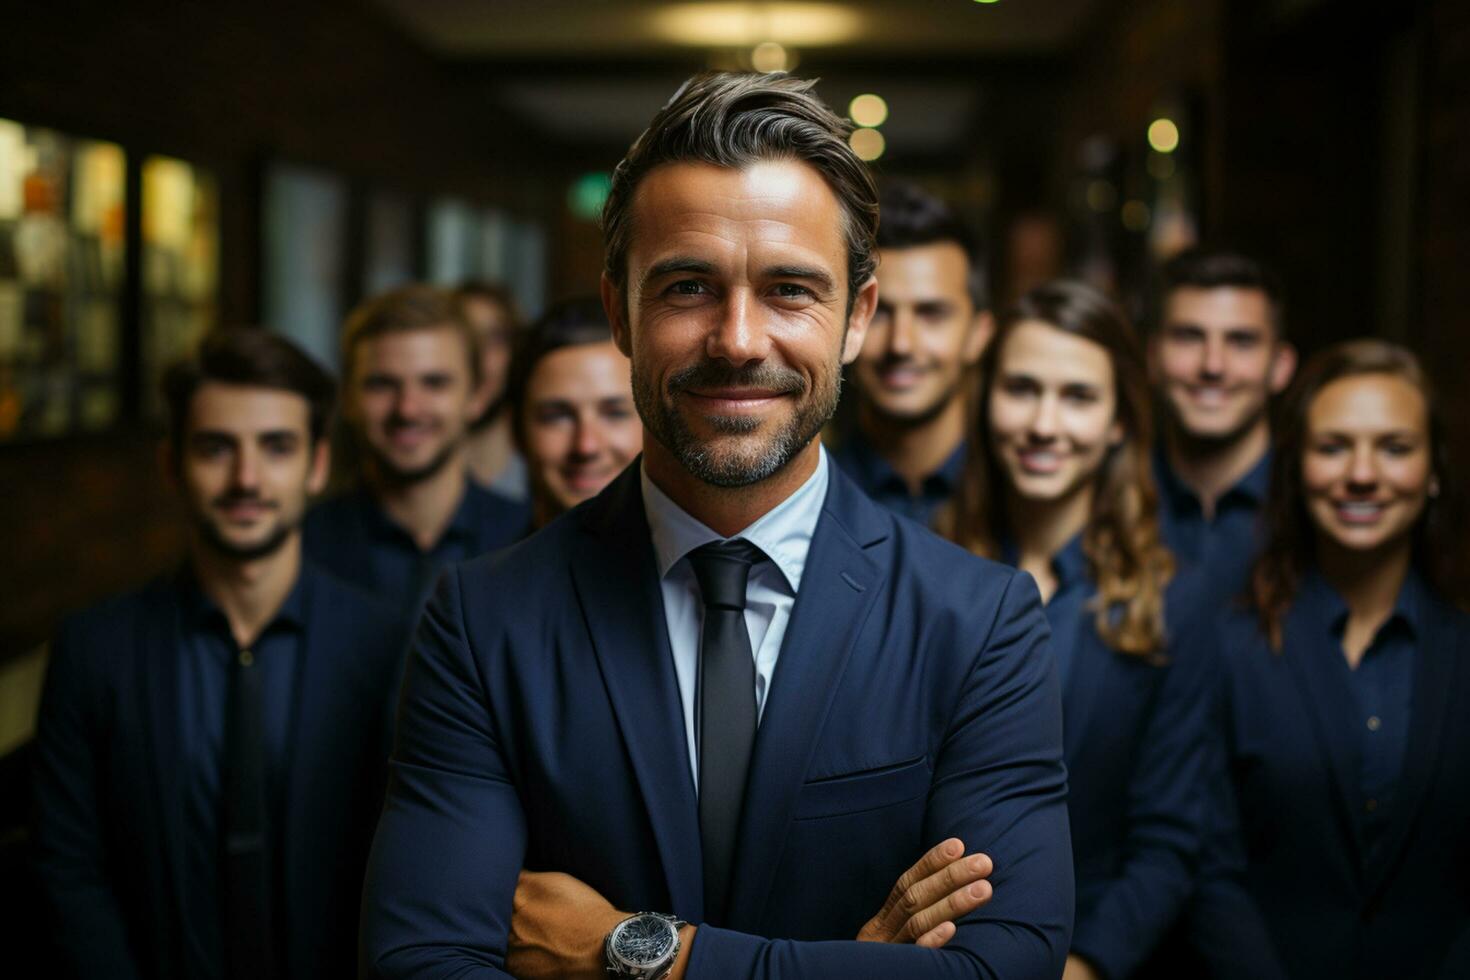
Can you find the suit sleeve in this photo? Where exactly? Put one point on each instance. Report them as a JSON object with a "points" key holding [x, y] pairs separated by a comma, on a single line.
{"points": [[1223, 923], [1000, 786], [1165, 814], [451, 837], [71, 863]]}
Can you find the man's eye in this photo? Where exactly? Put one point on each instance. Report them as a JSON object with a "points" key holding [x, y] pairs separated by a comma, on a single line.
{"points": [[791, 290], [687, 287]]}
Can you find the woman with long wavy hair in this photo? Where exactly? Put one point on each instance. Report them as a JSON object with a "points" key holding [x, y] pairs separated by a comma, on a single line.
{"points": [[1344, 790], [1059, 484]]}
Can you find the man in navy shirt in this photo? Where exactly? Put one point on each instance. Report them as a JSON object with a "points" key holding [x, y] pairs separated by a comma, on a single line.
{"points": [[412, 387], [211, 749], [1218, 355], [929, 329]]}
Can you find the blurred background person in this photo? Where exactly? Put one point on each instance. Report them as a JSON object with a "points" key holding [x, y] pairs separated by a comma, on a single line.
{"points": [[490, 450], [211, 749], [1343, 795], [1218, 355], [571, 406], [1058, 484], [915, 368], [411, 372]]}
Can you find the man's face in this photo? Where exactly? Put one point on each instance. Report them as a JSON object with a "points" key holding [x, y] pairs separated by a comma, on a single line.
{"points": [[579, 424], [411, 399], [1217, 360], [737, 321], [492, 327], [924, 334], [246, 466]]}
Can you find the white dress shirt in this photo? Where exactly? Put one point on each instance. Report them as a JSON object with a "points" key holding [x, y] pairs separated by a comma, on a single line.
{"points": [[784, 534]]}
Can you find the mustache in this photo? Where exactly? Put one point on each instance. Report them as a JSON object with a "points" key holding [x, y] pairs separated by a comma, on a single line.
{"points": [[714, 374], [232, 497]]}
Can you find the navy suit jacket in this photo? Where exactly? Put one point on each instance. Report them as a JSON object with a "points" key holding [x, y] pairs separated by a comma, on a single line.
{"points": [[1136, 736], [1288, 890], [109, 781], [540, 726]]}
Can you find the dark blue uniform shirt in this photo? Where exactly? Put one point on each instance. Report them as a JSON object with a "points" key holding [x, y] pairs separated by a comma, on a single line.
{"points": [[1382, 688], [1225, 547], [207, 649], [882, 482], [355, 539], [1066, 611]]}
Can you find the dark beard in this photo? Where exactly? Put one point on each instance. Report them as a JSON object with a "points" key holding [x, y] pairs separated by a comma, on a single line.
{"points": [[920, 419], [399, 477], [729, 471], [1207, 445], [209, 534]]}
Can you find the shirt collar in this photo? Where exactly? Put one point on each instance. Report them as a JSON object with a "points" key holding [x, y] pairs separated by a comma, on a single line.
{"points": [[876, 473], [783, 533], [1328, 609], [1253, 487], [465, 522], [1069, 565], [200, 610]]}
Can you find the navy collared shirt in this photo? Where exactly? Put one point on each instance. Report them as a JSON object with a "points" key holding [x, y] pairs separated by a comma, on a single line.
{"points": [[354, 538], [1226, 546], [861, 461], [1382, 687], [207, 649], [1067, 611]]}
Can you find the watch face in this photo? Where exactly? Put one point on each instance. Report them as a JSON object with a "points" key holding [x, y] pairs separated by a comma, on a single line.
{"points": [[644, 941]]}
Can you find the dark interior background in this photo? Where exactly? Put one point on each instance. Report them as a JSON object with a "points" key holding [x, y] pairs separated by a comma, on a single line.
{"points": [[1330, 137]]}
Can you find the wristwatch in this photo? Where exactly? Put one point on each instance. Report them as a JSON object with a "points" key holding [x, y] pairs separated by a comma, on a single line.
{"points": [[643, 946]]}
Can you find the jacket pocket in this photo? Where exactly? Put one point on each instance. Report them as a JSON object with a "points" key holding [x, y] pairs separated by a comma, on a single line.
{"points": [[870, 789]]}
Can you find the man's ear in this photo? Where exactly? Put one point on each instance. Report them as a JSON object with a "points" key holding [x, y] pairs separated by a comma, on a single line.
{"points": [[615, 306], [863, 306], [321, 467], [982, 328], [1283, 366]]}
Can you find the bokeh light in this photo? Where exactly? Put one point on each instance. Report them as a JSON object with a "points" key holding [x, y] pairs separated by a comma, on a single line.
{"points": [[868, 144], [868, 110], [1163, 135]]}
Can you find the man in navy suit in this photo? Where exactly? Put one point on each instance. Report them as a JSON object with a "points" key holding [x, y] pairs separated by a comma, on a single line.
{"points": [[699, 725], [211, 749]]}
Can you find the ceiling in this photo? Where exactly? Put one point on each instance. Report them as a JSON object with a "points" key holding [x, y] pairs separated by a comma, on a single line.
{"points": [[622, 28], [590, 73]]}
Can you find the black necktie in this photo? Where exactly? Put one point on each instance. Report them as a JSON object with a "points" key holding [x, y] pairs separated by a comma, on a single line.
{"points": [[245, 862], [726, 708]]}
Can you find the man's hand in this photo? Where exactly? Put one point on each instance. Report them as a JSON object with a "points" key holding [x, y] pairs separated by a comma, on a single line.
{"points": [[943, 886], [1079, 969], [557, 928]]}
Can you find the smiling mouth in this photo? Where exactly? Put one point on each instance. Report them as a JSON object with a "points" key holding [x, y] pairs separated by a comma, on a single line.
{"points": [[1041, 462], [1359, 512], [733, 401]]}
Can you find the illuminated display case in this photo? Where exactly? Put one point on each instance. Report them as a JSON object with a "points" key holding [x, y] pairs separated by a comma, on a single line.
{"points": [[62, 263], [180, 274]]}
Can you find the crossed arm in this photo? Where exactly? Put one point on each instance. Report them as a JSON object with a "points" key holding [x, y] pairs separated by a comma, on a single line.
{"points": [[438, 899]]}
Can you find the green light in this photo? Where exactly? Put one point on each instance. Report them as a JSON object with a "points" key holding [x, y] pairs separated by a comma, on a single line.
{"points": [[987, 1], [588, 194]]}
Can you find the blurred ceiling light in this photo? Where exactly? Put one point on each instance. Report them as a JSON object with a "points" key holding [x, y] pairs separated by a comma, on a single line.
{"points": [[1160, 166], [868, 110], [1135, 215], [868, 144], [1163, 135], [742, 24], [588, 194], [770, 56], [987, 1]]}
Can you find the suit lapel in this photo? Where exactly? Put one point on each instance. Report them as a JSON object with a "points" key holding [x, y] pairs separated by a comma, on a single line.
{"points": [[1434, 667], [1328, 701], [617, 585], [160, 644], [309, 738], [836, 595]]}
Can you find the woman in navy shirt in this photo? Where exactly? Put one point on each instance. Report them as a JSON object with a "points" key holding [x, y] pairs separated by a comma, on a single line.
{"points": [[1062, 488], [1343, 846]]}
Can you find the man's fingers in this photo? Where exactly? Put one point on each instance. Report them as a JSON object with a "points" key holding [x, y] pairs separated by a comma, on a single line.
{"points": [[951, 878], [937, 937], [955, 905], [935, 859]]}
